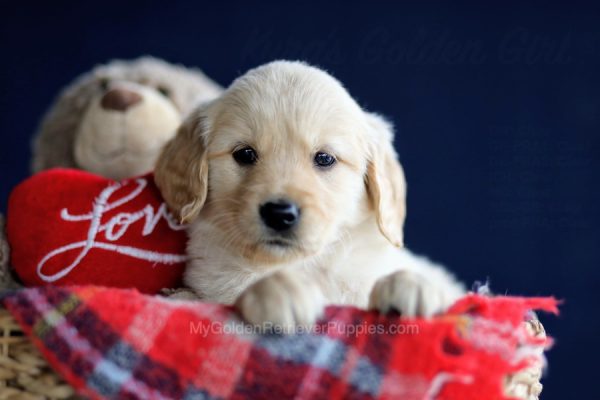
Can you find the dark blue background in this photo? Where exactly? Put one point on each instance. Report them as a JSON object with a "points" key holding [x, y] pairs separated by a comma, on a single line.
{"points": [[497, 110]]}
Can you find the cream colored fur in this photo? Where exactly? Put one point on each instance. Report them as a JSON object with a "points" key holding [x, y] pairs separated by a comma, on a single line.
{"points": [[78, 133], [347, 246]]}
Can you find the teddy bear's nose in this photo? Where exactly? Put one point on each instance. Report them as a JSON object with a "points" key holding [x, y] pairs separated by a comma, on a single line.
{"points": [[119, 99]]}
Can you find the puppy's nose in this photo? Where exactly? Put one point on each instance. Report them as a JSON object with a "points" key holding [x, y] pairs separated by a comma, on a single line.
{"points": [[280, 215], [119, 99]]}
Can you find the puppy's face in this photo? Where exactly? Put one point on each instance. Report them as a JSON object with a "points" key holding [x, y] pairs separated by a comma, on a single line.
{"points": [[282, 165]]}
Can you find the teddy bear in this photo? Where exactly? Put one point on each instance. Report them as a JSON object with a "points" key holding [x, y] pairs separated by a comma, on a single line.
{"points": [[112, 121]]}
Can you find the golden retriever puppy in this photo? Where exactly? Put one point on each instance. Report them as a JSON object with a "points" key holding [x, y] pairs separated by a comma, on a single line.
{"points": [[295, 199]]}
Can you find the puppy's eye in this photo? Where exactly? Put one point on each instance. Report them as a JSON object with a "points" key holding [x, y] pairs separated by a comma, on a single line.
{"points": [[245, 156], [103, 84], [164, 91], [323, 159]]}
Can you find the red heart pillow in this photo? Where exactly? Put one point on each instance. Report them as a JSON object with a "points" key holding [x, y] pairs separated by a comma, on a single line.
{"points": [[70, 227]]}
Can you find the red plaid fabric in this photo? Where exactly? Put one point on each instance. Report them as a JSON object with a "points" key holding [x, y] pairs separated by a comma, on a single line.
{"points": [[120, 344]]}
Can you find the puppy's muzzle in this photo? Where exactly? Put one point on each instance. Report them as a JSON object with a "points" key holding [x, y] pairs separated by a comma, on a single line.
{"points": [[280, 215]]}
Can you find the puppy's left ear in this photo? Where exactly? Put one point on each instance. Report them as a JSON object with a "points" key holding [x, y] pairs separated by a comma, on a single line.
{"points": [[181, 171], [385, 181]]}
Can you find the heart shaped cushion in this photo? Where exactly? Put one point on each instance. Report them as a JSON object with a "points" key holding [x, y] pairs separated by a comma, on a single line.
{"points": [[70, 227]]}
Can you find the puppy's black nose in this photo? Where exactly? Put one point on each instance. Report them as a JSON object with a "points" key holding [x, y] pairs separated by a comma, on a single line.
{"points": [[280, 215]]}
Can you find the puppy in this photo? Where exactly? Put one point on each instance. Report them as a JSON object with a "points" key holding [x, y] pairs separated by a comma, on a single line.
{"points": [[295, 199]]}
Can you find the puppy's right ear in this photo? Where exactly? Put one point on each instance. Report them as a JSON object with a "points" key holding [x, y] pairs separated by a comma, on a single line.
{"points": [[181, 171]]}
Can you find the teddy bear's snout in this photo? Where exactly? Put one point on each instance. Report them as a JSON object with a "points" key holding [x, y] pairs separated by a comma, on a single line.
{"points": [[119, 99]]}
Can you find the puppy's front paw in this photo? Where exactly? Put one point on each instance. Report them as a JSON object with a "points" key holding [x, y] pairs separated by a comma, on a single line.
{"points": [[281, 302], [411, 294]]}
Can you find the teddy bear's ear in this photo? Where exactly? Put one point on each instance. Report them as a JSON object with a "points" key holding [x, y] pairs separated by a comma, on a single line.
{"points": [[52, 144], [181, 172]]}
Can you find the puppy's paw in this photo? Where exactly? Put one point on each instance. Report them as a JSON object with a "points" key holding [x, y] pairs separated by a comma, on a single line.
{"points": [[411, 294], [281, 303]]}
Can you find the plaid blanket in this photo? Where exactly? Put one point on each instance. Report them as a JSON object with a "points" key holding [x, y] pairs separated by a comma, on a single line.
{"points": [[120, 344]]}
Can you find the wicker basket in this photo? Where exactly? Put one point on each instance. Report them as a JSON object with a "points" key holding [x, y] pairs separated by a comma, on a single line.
{"points": [[25, 374]]}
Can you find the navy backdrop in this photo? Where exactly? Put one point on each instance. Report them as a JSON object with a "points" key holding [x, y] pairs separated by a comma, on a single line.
{"points": [[497, 114]]}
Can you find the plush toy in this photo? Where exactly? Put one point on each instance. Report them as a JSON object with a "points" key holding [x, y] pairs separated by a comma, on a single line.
{"points": [[70, 227], [114, 120]]}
